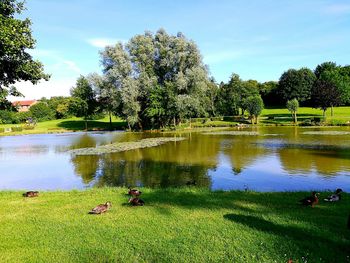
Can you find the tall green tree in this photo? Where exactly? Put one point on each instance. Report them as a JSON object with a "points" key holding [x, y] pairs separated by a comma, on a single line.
{"points": [[154, 73], [325, 94], [16, 64], [107, 96], [296, 84], [336, 76], [85, 104]]}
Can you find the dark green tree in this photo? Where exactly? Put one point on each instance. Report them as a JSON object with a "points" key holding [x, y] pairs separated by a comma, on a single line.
{"points": [[85, 104], [325, 94], [16, 64], [296, 84]]}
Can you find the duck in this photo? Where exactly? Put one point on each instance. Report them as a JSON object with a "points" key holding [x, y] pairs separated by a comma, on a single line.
{"points": [[135, 201], [310, 200], [31, 194], [134, 192], [334, 197], [102, 208]]}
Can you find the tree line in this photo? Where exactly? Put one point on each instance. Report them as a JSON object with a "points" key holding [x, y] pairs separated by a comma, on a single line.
{"points": [[157, 80]]}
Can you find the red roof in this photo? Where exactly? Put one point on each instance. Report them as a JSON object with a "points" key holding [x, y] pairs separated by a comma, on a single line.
{"points": [[23, 103]]}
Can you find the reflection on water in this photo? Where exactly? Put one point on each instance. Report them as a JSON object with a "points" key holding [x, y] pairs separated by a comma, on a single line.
{"points": [[277, 159]]}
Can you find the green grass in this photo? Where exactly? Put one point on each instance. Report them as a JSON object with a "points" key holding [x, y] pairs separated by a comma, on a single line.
{"points": [[66, 125], [283, 116], [176, 225]]}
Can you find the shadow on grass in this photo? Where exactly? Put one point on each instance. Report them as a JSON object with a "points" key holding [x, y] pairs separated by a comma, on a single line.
{"points": [[301, 235], [79, 125]]}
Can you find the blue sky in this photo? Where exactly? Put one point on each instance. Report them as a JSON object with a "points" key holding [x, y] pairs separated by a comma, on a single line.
{"points": [[255, 39]]}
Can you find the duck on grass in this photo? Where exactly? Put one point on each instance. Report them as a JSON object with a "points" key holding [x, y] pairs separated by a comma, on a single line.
{"points": [[177, 225]]}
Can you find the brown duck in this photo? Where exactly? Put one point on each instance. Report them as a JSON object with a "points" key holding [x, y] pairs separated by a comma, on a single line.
{"points": [[310, 200], [102, 208], [31, 194], [135, 201], [134, 192]]}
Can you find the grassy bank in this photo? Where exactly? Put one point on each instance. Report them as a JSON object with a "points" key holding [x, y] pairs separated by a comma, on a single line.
{"points": [[176, 225], [67, 125]]}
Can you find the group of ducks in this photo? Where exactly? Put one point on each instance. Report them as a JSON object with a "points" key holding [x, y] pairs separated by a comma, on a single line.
{"points": [[134, 200], [313, 199]]}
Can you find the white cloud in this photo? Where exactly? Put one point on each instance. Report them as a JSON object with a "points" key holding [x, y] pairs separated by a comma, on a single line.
{"points": [[337, 9], [103, 42], [53, 87]]}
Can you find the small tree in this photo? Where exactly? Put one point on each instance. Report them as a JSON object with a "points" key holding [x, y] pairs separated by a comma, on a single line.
{"points": [[325, 94], [85, 104], [292, 106], [255, 105]]}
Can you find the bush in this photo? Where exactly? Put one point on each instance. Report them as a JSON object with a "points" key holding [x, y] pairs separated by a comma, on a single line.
{"points": [[16, 129], [2, 130], [22, 117], [8, 117], [335, 122], [42, 112], [216, 118], [28, 127]]}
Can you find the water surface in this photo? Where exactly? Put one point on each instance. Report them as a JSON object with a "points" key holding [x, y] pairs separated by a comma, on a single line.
{"points": [[261, 158]]}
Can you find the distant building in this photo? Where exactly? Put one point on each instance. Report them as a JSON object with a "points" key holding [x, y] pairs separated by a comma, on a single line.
{"points": [[24, 105]]}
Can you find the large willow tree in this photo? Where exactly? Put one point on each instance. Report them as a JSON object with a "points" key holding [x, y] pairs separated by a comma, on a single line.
{"points": [[160, 79], [16, 64]]}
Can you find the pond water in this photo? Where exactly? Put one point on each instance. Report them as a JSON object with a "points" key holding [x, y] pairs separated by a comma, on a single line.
{"points": [[259, 158]]}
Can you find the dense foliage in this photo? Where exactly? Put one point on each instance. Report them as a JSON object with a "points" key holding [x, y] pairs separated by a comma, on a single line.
{"points": [[16, 64], [160, 79]]}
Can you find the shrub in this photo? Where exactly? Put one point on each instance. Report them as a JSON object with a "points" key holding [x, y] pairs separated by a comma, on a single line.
{"points": [[42, 112], [335, 122], [2, 130], [16, 129], [22, 117], [8, 117]]}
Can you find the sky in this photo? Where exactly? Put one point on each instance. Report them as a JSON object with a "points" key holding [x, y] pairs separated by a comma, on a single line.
{"points": [[257, 39]]}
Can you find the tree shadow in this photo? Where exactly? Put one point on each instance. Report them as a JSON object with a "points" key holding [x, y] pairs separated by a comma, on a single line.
{"points": [[78, 125], [305, 238]]}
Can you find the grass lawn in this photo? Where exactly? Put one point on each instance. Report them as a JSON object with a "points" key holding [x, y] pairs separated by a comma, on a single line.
{"points": [[66, 125], [176, 225], [283, 116]]}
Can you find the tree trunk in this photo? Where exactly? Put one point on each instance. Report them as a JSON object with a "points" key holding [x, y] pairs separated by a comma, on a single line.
{"points": [[110, 121], [295, 118], [332, 110], [174, 123], [324, 114], [190, 122], [86, 125]]}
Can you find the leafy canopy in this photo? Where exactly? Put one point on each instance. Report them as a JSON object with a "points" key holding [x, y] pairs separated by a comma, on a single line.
{"points": [[16, 64]]}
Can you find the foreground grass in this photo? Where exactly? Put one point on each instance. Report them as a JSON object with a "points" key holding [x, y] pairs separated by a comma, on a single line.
{"points": [[176, 225]]}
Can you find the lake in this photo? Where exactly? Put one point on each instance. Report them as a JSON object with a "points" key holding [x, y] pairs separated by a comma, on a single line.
{"points": [[257, 158]]}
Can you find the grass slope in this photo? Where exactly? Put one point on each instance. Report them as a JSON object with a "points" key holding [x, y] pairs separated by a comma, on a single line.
{"points": [[67, 125], [176, 225]]}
